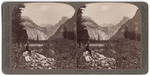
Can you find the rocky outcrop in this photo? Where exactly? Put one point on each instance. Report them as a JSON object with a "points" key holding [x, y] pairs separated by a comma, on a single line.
{"points": [[38, 61], [99, 61]]}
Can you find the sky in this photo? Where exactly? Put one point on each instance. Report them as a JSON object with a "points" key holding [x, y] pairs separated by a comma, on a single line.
{"points": [[109, 13], [101, 13], [47, 13]]}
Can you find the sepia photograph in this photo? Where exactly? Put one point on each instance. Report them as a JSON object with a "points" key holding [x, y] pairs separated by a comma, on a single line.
{"points": [[93, 36], [109, 36]]}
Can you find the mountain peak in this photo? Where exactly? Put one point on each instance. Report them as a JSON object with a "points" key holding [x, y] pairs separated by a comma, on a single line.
{"points": [[45, 25], [134, 26], [85, 18], [89, 22], [64, 18], [26, 18], [125, 18], [61, 21]]}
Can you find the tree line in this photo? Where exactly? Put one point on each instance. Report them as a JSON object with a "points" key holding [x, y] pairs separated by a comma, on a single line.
{"points": [[132, 35]]}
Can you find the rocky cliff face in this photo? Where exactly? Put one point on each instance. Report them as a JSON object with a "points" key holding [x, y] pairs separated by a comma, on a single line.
{"points": [[51, 29], [112, 29], [133, 26], [33, 30], [95, 31], [43, 33], [68, 25]]}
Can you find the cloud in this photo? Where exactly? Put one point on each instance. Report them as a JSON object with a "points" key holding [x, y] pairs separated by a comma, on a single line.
{"points": [[44, 8], [109, 13], [105, 8], [47, 13]]}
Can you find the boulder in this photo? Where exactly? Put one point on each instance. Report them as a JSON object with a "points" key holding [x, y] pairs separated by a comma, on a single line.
{"points": [[99, 61], [38, 61]]}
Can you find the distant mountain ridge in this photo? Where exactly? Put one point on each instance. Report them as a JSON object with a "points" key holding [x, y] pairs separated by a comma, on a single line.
{"points": [[43, 33], [50, 32], [51, 29], [112, 29], [133, 25], [69, 25], [33, 30], [95, 31]]}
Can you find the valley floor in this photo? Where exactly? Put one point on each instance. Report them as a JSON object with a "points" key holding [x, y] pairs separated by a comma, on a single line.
{"points": [[65, 54]]}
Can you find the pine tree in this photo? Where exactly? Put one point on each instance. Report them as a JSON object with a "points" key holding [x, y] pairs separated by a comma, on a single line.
{"points": [[19, 34], [82, 33], [126, 33], [37, 38], [98, 38], [65, 32]]}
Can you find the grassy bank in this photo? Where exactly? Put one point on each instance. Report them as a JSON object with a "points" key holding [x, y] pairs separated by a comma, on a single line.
{"points": [[126, 52], [65, 53]]}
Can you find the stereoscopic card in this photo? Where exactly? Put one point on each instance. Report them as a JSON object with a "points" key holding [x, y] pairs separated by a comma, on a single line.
{"points": [[75, 37]]}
